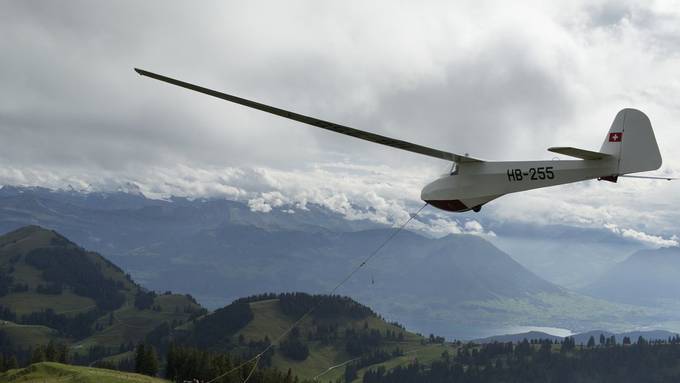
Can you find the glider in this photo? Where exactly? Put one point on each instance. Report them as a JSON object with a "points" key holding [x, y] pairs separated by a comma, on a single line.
{"points": [[629, 147]]}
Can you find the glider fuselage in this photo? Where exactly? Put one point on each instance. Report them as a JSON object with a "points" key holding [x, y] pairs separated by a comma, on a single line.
{"points": [[476, 183]]}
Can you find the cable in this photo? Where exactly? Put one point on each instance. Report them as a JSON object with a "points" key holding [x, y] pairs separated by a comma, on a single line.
{"points": [[331, 368], [252, 370], [331, 292]]}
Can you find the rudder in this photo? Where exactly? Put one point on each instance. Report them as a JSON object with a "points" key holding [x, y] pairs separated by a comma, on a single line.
{"points": [[631, 139]]}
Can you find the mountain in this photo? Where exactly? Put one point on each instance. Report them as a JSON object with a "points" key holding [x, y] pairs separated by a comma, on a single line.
{"points": [[647, 277], [571, 257], [52, 289], [120, 220], [581, 338], [516, 338], [218, 250]]}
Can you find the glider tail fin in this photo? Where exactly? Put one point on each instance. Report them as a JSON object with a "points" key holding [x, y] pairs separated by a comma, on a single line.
{"points": [[631, 139]]}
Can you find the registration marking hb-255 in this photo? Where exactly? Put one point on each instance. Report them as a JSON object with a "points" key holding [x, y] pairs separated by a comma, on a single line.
{"points": [[531, 174]]}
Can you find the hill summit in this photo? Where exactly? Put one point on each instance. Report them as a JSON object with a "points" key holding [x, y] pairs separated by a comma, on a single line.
{"points": [[37, 260], [53, 289]]}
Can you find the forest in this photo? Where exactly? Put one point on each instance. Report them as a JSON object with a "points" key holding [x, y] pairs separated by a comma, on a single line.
{"points": [[544, 361]]}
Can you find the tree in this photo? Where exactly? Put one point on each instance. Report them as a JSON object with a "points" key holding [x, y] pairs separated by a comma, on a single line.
{"points": [[446, 356], [591, 342], [568, 344], [146, 361], [144, 299], [38, 355], [139, 357], [350, 372], [51, 352], [11, 363], [294, 349], [151, 361], [171, 365], [289, 377]]}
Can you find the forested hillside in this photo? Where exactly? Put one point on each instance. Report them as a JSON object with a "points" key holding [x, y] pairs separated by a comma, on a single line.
{"points": [[63, 303], [542, 362], [54, 290], [337, 330]]}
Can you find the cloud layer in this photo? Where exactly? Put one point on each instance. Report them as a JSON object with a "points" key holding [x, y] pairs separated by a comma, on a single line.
{"points": [[494, 79]]}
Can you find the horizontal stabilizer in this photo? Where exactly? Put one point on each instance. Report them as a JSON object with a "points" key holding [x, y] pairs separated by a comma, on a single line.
{"points": [[579, 153]]}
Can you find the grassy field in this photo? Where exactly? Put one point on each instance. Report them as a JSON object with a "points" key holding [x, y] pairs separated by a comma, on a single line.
{"points": [[48, 372], [424, 354], [131, 324], [66, 303], [29, 335]]}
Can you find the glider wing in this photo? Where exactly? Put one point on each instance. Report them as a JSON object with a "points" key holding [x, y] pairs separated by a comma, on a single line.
{"points": [[372, 137]]}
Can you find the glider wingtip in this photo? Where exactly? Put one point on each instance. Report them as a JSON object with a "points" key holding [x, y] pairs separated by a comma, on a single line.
{"points": [[140, 72]]}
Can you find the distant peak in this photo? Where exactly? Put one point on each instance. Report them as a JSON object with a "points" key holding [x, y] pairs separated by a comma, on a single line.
{"points": [[30, 229], [33, 231], [130, 188]]}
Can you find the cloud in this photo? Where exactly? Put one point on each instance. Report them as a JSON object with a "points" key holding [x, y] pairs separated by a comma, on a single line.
{"points": [[259, 205], [267, 201], [372, 194], [653, 240]]}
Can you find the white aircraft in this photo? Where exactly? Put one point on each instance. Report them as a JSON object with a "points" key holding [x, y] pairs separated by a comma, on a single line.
{"points": [[629, 147]]}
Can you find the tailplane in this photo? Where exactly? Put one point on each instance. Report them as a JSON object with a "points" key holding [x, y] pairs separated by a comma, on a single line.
{"points": [[631, 140]]}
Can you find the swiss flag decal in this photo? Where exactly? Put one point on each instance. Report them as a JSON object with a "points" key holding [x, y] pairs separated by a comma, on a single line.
{"points": [[615, 137]]}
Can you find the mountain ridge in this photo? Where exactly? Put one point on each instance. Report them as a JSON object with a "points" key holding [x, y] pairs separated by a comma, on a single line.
{"points": [[646, 277], [580, 338], [220, 250]]}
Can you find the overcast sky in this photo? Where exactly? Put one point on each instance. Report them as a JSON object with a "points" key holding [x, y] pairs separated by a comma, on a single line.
{"points": [[496, 79]]}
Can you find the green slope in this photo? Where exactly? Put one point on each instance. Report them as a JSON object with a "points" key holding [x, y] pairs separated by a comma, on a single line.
{"points": [[326, 356], [33, 258], [425, 354], [227, 330], [49, 372], [131, 324], [29, 334]]}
